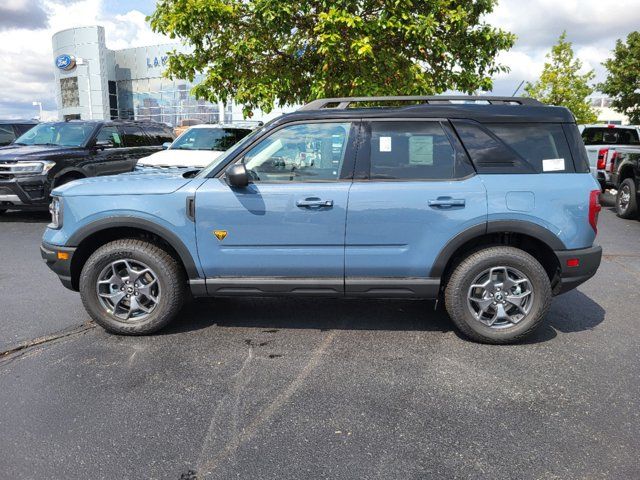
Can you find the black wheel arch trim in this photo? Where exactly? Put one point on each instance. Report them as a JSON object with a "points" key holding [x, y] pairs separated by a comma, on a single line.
{"points": [[496, 226], [141, 224]]}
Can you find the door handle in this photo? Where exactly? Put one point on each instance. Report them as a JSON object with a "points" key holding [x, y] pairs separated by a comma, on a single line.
{"points": [[447, 202], [314, 202]]}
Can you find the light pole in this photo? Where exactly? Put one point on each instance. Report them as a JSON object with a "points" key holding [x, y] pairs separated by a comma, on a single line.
{"points": [[39, 105], [85, 62]]}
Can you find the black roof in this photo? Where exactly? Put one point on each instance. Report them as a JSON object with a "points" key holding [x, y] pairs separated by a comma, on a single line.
{"points": [[482, 109]]}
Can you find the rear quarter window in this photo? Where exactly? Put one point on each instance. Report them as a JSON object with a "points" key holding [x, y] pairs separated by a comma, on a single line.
{"points": [[542, 145]]}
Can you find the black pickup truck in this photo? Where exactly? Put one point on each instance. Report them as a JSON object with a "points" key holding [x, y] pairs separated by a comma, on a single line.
{"points": [[625, 177], [54, 153]]}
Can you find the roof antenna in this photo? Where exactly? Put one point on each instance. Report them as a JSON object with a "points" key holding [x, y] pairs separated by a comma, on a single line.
{"points": [[519, 87]]}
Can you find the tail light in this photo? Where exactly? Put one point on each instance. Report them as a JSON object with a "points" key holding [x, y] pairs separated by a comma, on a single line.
{"points": [[612, 162], [594, 209], [602, 158]]}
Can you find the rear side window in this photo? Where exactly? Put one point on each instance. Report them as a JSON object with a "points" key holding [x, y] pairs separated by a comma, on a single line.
{"points": [[543, 145], [410, 151], [133, 136], [610, 136], [159, 134]]}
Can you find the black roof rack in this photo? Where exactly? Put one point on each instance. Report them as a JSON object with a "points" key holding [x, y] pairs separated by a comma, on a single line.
{"points": [[342, 103]]}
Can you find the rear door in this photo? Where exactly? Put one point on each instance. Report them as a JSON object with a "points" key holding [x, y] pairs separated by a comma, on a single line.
{"points": [[137, 144], [285, 231], [414, 191]]}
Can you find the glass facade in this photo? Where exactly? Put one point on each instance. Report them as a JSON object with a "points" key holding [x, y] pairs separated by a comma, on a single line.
{"points": [[167, 101]]}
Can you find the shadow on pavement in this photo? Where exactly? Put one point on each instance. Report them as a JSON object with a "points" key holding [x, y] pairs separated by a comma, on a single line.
{"points": [[319, 314], [26, 216], [570, 313]]}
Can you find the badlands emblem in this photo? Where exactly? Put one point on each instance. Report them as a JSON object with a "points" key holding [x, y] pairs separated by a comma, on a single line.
{"points": [[220, 234]]}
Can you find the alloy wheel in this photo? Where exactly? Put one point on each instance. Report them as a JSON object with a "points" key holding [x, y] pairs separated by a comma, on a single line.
{"points": [[500, 297]]}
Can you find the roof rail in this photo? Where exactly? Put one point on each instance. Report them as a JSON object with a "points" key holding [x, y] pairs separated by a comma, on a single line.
{"points": [[342, 103]]}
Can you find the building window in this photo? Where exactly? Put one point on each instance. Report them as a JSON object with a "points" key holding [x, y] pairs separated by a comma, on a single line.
{"points": [[113, 100], [69, 91]]}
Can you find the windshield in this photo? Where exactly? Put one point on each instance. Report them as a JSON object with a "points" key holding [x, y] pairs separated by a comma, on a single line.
{"points": [[209, 168], [219, 139], [61, 133], [610, 136]]}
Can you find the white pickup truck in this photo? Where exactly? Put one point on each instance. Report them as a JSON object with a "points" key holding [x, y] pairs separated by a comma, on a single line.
{"points": [[601, 142]]}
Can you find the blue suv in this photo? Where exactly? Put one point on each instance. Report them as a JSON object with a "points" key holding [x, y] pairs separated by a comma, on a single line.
{"points": [[485, 202]]}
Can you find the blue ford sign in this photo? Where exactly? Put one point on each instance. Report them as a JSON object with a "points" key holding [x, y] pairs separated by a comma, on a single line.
{"points": [[65, 62]]}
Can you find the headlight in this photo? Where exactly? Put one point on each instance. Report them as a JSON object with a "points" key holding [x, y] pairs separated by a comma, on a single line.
{"points": [[55, 208], [26, 168]]}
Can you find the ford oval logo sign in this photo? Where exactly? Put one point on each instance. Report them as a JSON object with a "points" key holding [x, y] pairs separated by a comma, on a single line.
{"points": [[65, 62]]}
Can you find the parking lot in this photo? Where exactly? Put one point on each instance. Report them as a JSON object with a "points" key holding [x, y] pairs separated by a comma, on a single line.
{"points": [[296, 388]]}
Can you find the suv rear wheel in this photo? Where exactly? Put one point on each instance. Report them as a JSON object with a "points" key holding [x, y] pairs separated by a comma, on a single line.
{"points": [[498, 295], [132, 287], [627, 199]]}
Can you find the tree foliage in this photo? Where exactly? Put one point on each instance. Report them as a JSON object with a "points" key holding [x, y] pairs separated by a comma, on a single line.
{"points": [[561, 82], [623, 79], [258, 52]]}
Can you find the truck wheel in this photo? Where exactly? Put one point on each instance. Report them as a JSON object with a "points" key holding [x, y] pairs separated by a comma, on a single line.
{"points": [[498, 295], [132, 287], [627, 199]]}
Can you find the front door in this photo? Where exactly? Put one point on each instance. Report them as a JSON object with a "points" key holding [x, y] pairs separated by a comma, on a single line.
{"points": [[417, 192], [284, 233]]}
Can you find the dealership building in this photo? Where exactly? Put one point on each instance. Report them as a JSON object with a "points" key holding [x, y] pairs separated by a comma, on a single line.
{"points": [[94, 82]]}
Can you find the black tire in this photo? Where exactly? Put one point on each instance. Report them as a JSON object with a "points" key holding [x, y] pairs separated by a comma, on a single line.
{"points": [[627, 209], [169, 275], [459, 284], [66, 179]]}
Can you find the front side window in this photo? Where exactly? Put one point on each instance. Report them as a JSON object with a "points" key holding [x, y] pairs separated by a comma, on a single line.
{"points": [[219, 139], [410, 151], [300, 153], [65, 134], [109, 135]]}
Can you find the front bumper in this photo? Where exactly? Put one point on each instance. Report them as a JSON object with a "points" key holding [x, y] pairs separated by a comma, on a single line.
{"points": [[24, 191], [588, 263], [61, 266]]}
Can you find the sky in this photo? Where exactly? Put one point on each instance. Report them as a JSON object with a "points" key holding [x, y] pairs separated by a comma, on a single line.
{"points": [[26, 28]]}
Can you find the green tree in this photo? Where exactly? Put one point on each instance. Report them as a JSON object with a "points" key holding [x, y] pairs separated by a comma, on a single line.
{"points": [[258, 52], [561, 83], [623, 79]]}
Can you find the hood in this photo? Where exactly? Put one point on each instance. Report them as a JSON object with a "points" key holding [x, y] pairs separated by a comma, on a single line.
{"points": [[124, 184], [13, 153], [181, 158]]}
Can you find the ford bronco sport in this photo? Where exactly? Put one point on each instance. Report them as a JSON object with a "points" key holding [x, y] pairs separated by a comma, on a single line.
{"points": [[486, 202]]}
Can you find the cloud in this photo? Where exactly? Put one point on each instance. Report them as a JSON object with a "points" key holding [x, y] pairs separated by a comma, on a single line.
{"points": [[26, 58], [592, 26], [28, 14]]}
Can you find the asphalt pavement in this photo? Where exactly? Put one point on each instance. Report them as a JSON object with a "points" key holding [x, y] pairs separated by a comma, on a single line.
{"points": [[297, 388]]}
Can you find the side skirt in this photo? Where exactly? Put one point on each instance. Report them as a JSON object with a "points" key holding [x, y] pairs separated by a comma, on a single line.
{"points": [[373, 287]]}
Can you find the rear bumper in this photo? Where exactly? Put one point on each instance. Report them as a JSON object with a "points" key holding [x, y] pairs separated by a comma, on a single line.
{"points": [[62, 267], [571, 277]]}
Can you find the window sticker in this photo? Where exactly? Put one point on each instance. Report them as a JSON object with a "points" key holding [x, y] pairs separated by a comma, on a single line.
{"points": [[421, 150], [116, 138], [385, 144], [553, 164]]}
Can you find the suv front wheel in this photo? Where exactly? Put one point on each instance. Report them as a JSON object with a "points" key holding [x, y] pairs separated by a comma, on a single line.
{"points": [[132, 287], [498, 295]]}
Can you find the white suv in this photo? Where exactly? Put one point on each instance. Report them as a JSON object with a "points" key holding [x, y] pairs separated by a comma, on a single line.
{"points": [[197, 147]]}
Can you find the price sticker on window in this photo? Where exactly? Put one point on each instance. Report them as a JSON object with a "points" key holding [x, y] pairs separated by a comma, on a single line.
{"points": [[385, 144]]}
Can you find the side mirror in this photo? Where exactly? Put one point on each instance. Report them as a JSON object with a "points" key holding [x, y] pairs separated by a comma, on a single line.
{"points": [[237, 175], [166, 145], [102, 144]]}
